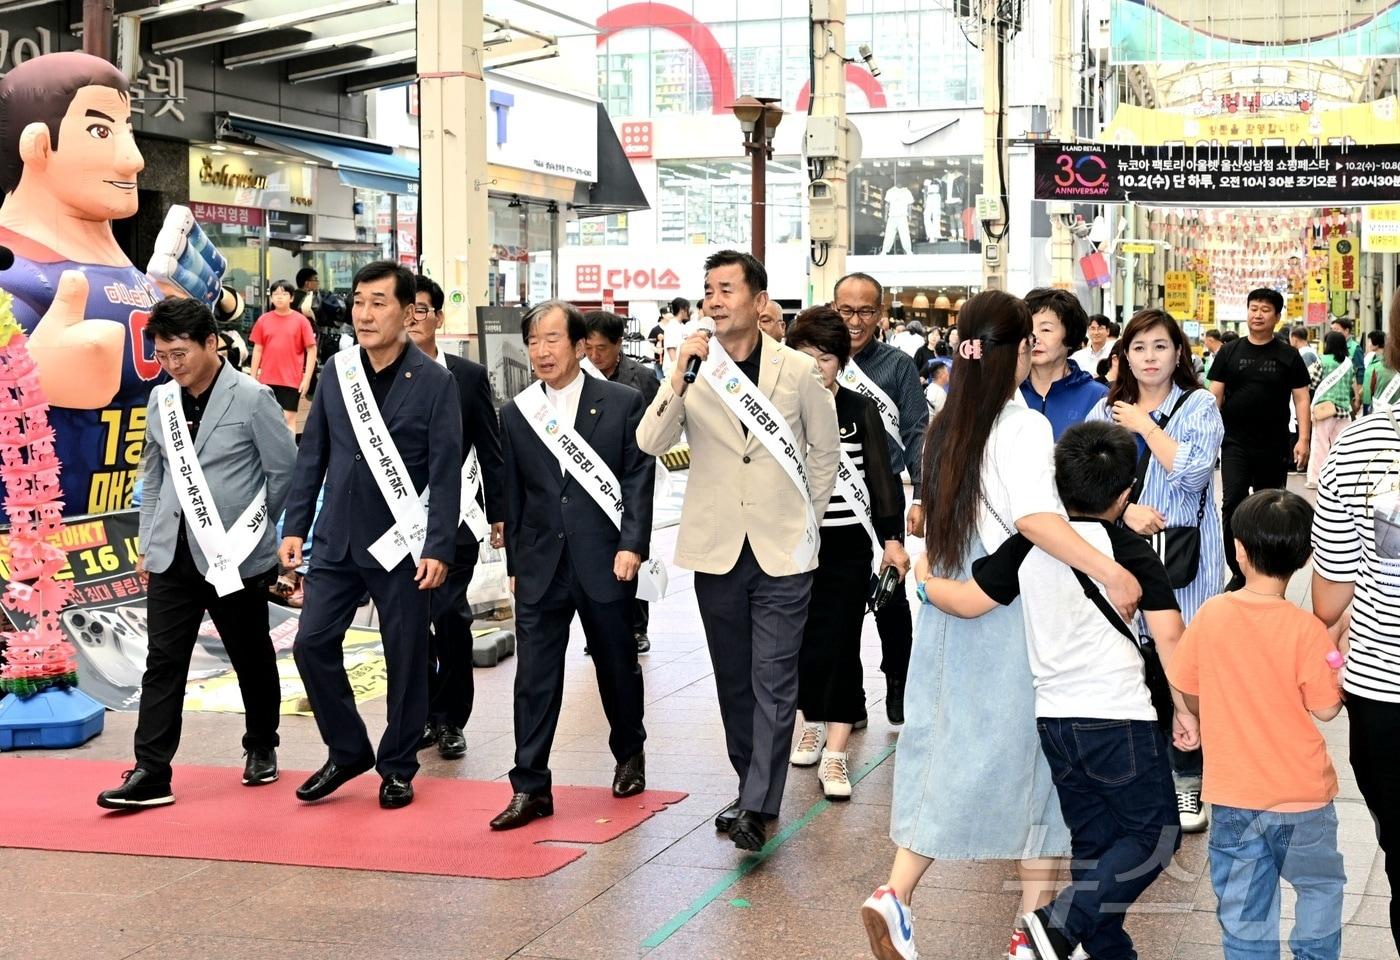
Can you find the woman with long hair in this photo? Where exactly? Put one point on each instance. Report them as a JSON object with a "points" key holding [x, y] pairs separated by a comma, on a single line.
{"points": [[970, 780], [1158, 396], [1337, 392]]}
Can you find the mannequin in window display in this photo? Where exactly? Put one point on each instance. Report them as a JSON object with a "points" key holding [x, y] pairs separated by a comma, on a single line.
{"points": [[898, 202], [954, 185], [933, 211], [68, 167]]}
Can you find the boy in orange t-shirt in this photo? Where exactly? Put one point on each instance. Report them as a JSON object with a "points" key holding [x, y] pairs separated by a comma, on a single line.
{"points": [[1253, 668]]}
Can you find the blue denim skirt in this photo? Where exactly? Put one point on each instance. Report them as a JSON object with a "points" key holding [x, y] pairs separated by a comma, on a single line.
{"points": [[970, 781]]}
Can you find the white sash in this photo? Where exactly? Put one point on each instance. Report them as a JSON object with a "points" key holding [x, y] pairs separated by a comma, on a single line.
{"points": [[472, 514], [224, 549], [579, 460], [853, 490], [1330, 381], [854, 378], [1388, 395], [410, 529], [747, 402]]}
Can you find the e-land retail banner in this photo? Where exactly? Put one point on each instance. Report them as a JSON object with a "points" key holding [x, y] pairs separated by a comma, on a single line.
{"points": [[1205, 176], [106, 622]]}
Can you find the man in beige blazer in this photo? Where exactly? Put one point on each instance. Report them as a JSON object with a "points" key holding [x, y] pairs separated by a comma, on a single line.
{"points": [[744, 525]]}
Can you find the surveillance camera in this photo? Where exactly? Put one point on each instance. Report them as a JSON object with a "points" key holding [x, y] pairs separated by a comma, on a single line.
{"points": [[868, 56]]}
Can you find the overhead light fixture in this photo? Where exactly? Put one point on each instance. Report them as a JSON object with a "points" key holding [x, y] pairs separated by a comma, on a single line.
{"points": [[920, 302], [173, 8], [14, 5], [250, 153], [264, 24], [317, 45], [355, 66], [942, 303]]}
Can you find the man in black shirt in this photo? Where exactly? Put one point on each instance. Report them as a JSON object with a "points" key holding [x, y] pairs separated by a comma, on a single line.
{"points": [[1252, 379]]}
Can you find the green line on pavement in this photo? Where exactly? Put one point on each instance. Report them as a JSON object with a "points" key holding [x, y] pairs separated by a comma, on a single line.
{"points": [[752, 862]]}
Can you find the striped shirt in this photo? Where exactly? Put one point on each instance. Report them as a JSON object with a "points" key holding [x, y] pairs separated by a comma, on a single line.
{"points": [[1362, 467], [862, 434], [1198, 432]]}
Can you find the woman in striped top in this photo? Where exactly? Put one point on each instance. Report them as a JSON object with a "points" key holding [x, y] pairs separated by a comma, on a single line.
{"points": [[1324, 432], [1356, 565], [829, 690], [1157, 382]]}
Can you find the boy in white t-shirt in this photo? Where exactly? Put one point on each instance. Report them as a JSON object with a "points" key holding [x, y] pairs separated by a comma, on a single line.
{"points": [[1098, 726]]}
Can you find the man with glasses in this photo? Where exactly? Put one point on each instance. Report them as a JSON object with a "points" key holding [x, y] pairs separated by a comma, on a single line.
{"points": [[213, 436], [451, 689], [887, 375]]}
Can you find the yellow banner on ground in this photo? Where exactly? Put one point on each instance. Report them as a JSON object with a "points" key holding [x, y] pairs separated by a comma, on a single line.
{"points": [[1366, 123]]}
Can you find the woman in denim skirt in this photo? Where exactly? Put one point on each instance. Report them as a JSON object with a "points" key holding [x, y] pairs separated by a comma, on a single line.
{"points": [[970, 781]]}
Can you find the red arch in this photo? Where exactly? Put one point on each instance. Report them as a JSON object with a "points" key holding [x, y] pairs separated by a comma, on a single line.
{"points": [[683, 25], [874, 92]]}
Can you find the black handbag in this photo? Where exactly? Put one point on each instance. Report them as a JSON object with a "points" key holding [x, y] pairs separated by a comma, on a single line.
{"points": [[1153, 673], [1179, 548]]}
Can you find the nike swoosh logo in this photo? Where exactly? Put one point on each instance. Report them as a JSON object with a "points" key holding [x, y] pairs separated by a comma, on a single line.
{"points": [[905, 930], [914, 134]]}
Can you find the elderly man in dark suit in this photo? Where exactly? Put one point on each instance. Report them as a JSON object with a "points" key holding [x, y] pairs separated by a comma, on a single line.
{"points": [[385, 437], [450, 687], [604, 344], [578, 519]]}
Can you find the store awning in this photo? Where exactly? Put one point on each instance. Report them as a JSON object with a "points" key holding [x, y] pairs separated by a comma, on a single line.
{"points": [[617, 189], [360, 163]]}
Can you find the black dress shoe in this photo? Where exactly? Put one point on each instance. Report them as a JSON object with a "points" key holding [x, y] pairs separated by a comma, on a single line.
{"points": [[894, 700], [630, 777], [524, 808], [395, 791], [643, 643], [330, 778], [748, 831], [451, 744], [725, 819], [430, 735], [140, 789], [260, 768]]}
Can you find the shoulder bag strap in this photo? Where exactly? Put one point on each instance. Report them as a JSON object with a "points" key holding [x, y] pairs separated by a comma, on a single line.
{"points": [[1141, 480], [1096, 597]]}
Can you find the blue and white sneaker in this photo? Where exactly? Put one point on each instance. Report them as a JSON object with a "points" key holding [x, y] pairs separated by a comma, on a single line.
{"points": [[889, 925]]}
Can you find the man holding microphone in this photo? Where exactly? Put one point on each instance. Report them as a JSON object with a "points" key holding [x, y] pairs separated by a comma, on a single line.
{"points": [[764, 448]]}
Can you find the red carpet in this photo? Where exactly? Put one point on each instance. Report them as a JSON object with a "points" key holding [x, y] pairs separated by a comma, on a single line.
{"points": [[50, 805]]}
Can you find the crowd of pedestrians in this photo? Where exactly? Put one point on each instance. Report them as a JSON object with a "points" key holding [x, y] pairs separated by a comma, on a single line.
{"points": [[1081, 684]]}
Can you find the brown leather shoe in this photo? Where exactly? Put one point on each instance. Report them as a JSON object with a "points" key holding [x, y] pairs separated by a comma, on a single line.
{"points": [[630, 777], [524, 808]]}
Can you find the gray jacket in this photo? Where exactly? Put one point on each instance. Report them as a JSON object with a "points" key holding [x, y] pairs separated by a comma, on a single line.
{"points": [[243, 442]]}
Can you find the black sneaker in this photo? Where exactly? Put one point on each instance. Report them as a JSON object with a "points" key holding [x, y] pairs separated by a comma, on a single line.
{"points": [[894, 700], [139, 789], [643, 643], [260, 768], [1048, 943]]}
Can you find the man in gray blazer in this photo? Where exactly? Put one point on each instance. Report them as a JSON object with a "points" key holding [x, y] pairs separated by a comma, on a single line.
{"points": [[215, 474]]}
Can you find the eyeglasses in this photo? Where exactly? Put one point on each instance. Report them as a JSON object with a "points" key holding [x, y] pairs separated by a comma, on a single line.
{"points": [[176, 357], [422, 310], [865, 313]]}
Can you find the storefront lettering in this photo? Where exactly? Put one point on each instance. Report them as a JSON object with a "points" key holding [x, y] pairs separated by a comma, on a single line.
{"points": [[16, 50], [231, 181], [592, 278], [162, 83]]}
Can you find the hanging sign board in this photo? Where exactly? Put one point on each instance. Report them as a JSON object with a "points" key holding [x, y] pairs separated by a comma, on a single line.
{"points": [[1181, 294], [1217, 176]]}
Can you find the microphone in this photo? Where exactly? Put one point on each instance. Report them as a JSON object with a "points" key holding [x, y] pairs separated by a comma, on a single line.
{"points": [[692, 369], [7, 259]]}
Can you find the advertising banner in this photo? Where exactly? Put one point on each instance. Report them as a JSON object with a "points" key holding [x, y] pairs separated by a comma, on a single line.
{"points": [[106, 622], [1380, 229], [1181, 294], [1342, 263], [1217, 176]]}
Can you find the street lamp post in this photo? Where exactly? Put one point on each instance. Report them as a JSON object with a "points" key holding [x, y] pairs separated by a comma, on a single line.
{"points": [[759, 117]]}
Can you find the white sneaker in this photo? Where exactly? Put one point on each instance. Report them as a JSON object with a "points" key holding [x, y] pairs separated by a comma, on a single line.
{"points": [[889, 925], [835, 776], [1079, 953], [1194, 815], [809, 746]]}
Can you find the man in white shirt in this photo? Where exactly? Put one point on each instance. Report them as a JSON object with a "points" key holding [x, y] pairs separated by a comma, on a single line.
{"points": [[1100, 345], [674, 333]]}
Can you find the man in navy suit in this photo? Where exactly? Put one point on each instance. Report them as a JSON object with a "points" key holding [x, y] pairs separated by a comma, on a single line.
{"points": [[450, 687], [385, 428], [578, 521]]}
